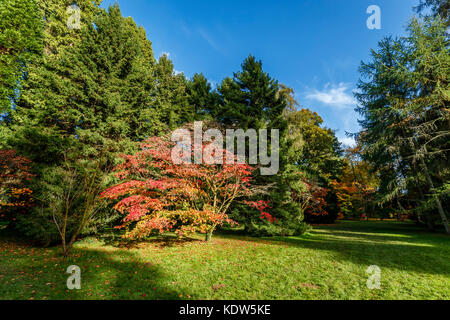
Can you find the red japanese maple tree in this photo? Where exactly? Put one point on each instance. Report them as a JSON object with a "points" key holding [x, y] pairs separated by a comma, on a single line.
{"points": [[158, 195]]}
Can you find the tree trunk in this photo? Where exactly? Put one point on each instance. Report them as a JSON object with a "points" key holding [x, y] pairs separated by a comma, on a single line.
{"points": [[428, 220], [66, 251], [436, 197], [208, 236]]}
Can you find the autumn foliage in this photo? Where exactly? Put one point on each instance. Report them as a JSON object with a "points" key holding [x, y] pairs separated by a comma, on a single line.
{"points": [[316, 204], [356, 187], [353, 197], [157, 195], [262, 207], [15, 174]]}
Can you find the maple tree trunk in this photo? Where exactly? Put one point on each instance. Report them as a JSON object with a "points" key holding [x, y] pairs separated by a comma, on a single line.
{"points": [[208, 236], [65, 248]]}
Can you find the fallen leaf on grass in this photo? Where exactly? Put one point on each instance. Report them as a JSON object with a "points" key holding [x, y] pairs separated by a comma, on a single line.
{"points": [[216, 287], [308, 285]]}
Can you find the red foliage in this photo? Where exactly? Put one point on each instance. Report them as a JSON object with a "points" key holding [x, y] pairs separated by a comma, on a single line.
{"points": [[261, 206], [15, 173], [317, 203], [158, 195], [312, 198]]}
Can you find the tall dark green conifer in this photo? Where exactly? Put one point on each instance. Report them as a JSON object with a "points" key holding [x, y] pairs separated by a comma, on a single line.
{"points": [[98, 91], [250, 99], [32, 133], [201, 97], [20, 43], [404, 103], [438, 8], [170, 100]]}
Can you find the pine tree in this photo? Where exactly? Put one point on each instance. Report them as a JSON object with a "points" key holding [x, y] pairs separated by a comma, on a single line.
{"points": [[170, 97], [250, 99], [98, 90], [438, 8], [404, 102], [20, 43], [201, 97], [85, 102], [31, 133], [57, 33]]}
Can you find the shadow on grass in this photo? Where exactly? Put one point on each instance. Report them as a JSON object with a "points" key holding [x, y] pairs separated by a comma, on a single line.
{"points": [[28, 272], [122, 275], [401, 246], [162, 241]]}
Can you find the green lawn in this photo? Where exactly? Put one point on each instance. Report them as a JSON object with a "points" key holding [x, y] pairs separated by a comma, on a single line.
{"points": [[328, 263]]}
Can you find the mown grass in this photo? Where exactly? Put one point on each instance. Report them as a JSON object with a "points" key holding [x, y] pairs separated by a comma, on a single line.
{"points": [[328, 263]]}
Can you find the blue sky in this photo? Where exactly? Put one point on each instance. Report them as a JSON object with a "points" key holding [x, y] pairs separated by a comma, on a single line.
{"points": [[313, 46]]}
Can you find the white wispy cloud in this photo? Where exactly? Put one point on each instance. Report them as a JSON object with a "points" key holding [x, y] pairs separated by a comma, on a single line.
{"points": [[185, 29], [339, 96], [209, 39], [347, 141]]}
